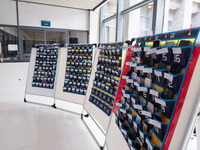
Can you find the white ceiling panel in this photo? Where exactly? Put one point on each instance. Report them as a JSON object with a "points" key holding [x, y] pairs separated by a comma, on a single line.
{"points": [[79, 4]]}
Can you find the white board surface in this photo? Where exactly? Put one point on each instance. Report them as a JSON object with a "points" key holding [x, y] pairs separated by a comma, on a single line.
{"points": [[185, 124], [96, 113], [59, 94], [37, 90], [101, 118], [114, 138], [188, 114]]}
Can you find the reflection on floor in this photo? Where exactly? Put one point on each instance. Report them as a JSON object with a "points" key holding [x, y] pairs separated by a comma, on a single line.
{"points": [[192, 145], [26, 126]]}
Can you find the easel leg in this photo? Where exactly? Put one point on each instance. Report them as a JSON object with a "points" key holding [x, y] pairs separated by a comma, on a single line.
{"points": [[198, 131]]}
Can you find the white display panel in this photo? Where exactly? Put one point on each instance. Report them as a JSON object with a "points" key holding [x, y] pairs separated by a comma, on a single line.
{"points": [[37, 90], [59, 94], [96, 113], [114, 138], [188, 114], [182, 124], [186, 121]]}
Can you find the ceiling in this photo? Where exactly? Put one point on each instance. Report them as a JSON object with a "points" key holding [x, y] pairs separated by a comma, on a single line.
{"points": [[78, 4]]}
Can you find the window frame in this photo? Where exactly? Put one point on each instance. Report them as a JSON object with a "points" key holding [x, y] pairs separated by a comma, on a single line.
{"points": [[20, 41], [157, 24]]}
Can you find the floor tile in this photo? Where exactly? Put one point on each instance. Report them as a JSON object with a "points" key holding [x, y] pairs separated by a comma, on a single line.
{"points": [[27, 126]]}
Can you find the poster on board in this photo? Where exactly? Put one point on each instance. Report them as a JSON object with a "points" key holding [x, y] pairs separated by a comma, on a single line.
{"points": [[42, 71], [75, 66], [105, 79], [157, 84]]}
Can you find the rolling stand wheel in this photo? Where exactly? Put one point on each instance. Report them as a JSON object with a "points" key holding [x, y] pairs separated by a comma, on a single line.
{"points": [[87, 115], [54, 106]]}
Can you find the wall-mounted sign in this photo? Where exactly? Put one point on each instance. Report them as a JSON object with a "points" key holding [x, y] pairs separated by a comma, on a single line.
{"points": [[45, 23], [12, 47]]}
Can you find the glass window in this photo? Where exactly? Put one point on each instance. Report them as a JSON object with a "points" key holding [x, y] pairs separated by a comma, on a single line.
{"points": [[169, 25], [8, 44], [129, 3], [110, 31], [110, 8], [138, 22], [195, 21], [78, 37], [145, 21], [53, 37], [181, 14], [175, 15], [30, 39]]}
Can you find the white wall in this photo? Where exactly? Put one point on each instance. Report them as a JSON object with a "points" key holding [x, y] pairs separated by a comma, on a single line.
{"points": [[94, 26], [196, 19], [66, 18], [8, 12], [182, 16], [196, 16], [187, 14], [13, 74], [31, 15]]}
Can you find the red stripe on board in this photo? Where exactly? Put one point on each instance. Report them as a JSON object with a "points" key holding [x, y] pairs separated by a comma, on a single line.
{"points": [[122, 81], [181, 99]]}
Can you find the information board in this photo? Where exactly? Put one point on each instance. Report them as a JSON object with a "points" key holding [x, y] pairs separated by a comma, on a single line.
{"points": [[75, 66], [42, 72], [104, 82], [159, 98]]}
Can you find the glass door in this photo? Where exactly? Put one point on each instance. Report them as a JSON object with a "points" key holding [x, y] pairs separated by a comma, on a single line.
{"points": [[54, 37], [31, 38]]}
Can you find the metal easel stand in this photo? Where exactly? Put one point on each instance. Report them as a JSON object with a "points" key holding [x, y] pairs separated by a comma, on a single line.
{"points": [[85, 114], [198, 131]]}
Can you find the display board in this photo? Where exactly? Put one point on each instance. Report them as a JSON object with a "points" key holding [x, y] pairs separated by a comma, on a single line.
{"points": [[183, 122], [42, 71], [152, 93], [104, 82], [114, 135], [75, 66]]}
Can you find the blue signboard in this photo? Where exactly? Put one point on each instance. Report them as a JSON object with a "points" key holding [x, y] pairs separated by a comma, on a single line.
{"points": [[45, 23]]}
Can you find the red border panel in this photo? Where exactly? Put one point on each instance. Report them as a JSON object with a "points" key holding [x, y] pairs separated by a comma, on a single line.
{"points": [[181, 99], [122, 81]]}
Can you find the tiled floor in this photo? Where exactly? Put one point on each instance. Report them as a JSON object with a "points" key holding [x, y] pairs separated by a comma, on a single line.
{"points": [[192, 145], [25, 126]]}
